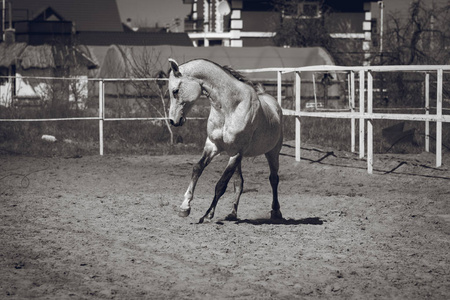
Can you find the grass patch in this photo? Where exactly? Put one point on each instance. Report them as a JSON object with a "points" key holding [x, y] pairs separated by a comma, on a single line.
{"points": [[78, 138]]}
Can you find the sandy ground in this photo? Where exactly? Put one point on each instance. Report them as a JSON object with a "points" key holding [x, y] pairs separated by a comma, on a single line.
{"points": [[106, 228]]}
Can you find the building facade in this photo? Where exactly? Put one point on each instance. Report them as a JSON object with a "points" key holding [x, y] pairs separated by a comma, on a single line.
{"points": [[246, 23], [230, 23]]}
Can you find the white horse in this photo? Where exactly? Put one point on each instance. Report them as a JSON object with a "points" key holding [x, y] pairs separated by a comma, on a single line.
{"points": [[243, 121]]}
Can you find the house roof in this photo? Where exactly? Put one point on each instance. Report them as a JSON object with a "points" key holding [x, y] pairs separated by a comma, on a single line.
{"points": [[87, 15], [9, 53], [347, 5], [46, 13], [133, 38], [42, 56], [47, 56]]}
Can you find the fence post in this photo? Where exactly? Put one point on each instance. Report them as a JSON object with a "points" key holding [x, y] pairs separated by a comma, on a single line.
{"points": [[297, 117], [314, 89], [361, 113], [427, 112], [279, 87], [352, 109], [369, 123], [101, 113], [439, 115]]}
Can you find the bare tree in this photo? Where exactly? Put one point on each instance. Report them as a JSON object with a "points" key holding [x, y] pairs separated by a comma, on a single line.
{"points": [[149, 64], [417, 38], [312, 28], [420, 38], [297, 29]]}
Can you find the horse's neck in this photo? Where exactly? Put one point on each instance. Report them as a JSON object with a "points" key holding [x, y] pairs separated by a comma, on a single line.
{"points": [[222, 89], [211, 75]]}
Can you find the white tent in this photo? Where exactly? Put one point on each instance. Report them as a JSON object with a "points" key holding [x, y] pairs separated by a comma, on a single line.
{"points": [[148, 61], [119, 61]]}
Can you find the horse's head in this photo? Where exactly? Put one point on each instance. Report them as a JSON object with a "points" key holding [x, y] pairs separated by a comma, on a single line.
{"points": [[183, 90]]}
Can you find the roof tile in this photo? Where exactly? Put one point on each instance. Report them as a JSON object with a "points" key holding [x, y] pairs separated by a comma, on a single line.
{"points": [[88, 15]]}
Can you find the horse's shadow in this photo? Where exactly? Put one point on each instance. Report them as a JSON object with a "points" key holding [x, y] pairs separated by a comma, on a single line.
{"points": [[268, 221]]}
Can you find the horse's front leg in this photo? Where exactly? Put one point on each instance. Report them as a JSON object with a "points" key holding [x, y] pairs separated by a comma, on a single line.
{"points": [[222, 184], [209, 152]]}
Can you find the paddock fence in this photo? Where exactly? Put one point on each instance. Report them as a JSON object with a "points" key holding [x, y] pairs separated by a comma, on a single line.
{"points": [[357, 83], [365, 112]]}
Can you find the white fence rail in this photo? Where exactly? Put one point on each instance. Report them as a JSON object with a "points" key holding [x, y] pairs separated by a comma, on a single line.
{"points": [[365, 115], [101, 118]]}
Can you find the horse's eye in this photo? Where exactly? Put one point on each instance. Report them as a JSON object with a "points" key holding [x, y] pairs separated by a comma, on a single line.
{"points": [[175, 92]]}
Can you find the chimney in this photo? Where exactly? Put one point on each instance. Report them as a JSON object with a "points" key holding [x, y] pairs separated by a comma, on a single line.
{"points": [[10, 36]]}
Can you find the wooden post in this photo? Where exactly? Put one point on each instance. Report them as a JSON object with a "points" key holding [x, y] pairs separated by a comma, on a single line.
{"points": [[297, 117], [352, 109], [427, 112], [439, 115], [361, 112], [369, 123], [314, 89], [101, 113], [279, 87]]}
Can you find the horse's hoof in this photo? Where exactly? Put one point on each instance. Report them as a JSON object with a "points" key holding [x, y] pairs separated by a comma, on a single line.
{"points": [[184, 212], [201, 220], [231, 217], [276, 214]]}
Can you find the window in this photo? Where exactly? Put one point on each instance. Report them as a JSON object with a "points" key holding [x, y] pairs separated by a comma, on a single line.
{"points": [[304, 9], [308, 9]]}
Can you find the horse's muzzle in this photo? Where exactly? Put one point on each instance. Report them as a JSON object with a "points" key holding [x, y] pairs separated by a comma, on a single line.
{"points": [[180, 122]]}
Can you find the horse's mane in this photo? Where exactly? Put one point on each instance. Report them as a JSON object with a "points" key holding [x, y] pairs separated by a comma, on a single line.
{"points": [[237, 75]]}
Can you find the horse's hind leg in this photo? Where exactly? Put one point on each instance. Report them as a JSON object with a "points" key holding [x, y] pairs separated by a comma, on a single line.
{"points": [[238, 187], [209, 152], [273, 159], [222, 184]]}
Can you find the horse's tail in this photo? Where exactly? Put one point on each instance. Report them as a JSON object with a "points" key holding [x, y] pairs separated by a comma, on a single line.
{"points": [[259, 89]]}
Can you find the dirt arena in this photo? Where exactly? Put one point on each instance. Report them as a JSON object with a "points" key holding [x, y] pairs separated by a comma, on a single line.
{"points": [[106, 228]]}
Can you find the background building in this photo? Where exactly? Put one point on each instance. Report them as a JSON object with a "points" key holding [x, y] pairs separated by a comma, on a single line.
{"points": [[244, 23]]}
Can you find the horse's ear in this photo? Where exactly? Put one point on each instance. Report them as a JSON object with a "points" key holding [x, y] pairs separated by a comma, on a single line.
{"points": [[174, 67]]}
